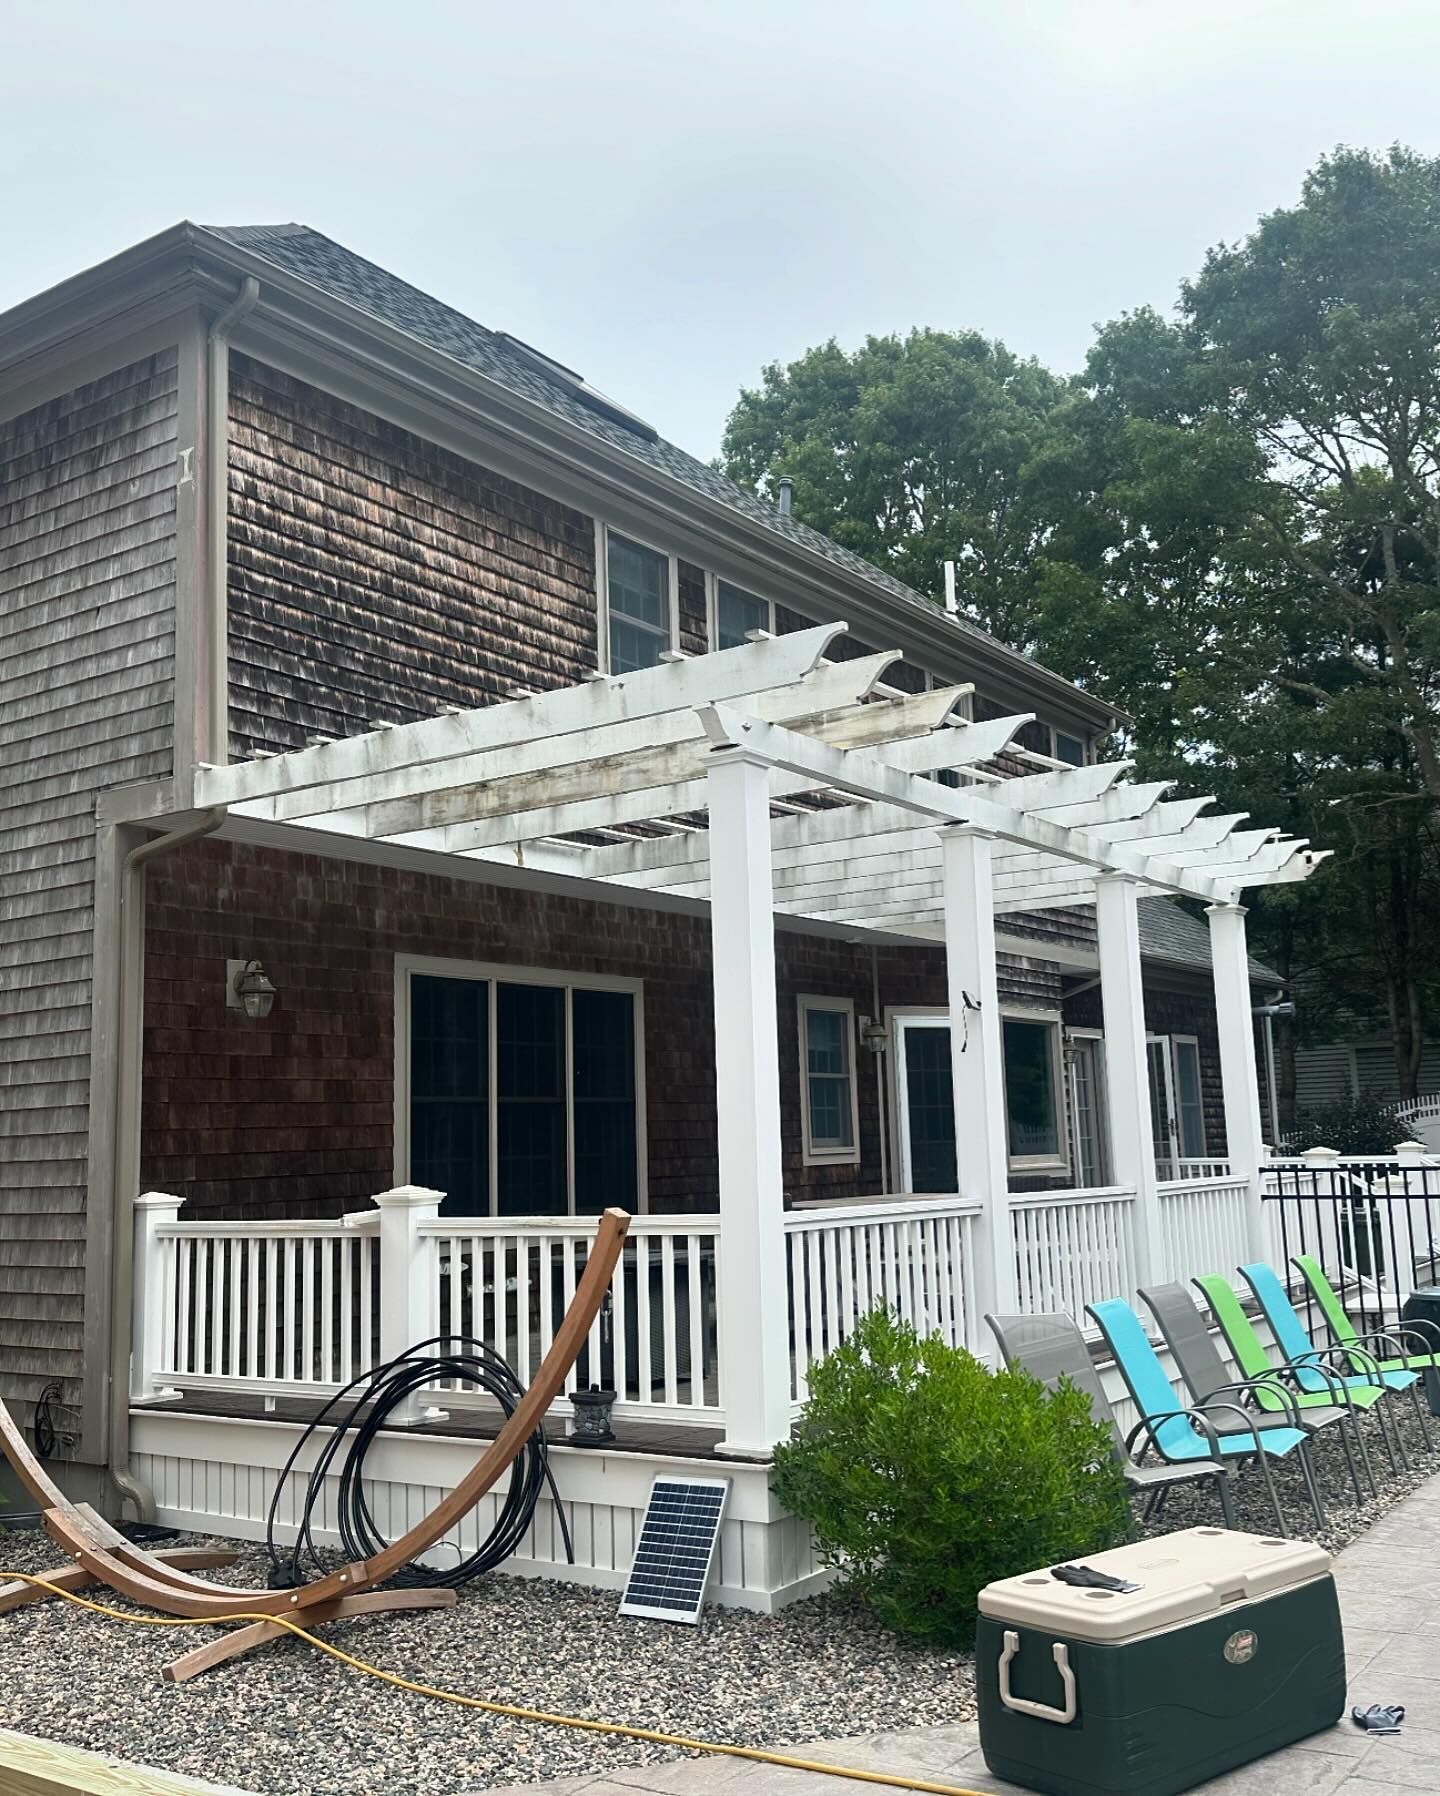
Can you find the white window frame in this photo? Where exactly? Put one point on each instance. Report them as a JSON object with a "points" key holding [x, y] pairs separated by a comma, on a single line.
{"points": [[1055, 1023], [899, 1018], [603, 533], [1075, 736], [811, 1155], [502, 973], [712, 607], [1102, 1103]]}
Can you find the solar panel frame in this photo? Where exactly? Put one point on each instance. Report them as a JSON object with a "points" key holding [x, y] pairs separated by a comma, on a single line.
{"points": [[676, 1549]]}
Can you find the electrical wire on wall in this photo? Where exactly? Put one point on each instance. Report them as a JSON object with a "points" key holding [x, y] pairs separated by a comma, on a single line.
{"points": [[355, 1416]]}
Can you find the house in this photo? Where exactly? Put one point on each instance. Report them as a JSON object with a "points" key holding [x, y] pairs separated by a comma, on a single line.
{"points": [[420, 778]]}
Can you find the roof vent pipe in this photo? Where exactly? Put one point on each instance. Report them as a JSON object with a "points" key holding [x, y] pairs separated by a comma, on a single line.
{"points": [[952, 604], [786, 496]]}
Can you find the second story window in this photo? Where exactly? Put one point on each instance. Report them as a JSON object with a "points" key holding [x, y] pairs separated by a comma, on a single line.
{"points": [[737, 612], [1070, 748], [639, 604]]}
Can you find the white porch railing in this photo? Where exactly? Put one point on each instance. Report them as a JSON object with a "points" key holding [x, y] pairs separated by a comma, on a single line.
{"points": [[1170, 1172], [913, 1255], [1073, 1247], [301, 1308], [507, 1282], [284, 1308], [1203, 1227]]}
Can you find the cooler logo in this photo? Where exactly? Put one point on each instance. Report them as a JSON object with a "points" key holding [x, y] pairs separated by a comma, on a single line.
{"points": [[1241, 1647]]}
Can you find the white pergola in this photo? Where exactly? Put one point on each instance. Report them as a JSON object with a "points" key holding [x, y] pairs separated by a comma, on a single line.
{"points": [[770, 779]]}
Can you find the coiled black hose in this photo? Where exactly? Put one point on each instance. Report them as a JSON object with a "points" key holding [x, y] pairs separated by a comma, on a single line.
{"points": [[356, 1415]]}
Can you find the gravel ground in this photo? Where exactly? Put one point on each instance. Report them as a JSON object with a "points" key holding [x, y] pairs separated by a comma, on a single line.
{"points": [[288, 1722]]}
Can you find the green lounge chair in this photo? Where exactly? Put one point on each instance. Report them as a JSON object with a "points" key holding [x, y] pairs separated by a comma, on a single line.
{"points": [[1345, 1334], [1254, 1362], [1304, 1356]]}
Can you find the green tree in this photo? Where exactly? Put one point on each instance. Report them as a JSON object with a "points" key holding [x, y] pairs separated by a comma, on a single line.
{"points": [[912, 451]]}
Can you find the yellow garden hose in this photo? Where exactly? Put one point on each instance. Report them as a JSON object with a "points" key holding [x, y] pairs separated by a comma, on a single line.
{"points": [[892, 1780]]}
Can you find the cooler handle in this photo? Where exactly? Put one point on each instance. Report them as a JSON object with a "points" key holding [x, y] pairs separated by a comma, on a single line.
{"points": [[1041, 1711]]}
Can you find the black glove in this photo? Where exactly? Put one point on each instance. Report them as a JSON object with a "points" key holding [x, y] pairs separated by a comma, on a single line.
{"points": [[1088, 1577]]}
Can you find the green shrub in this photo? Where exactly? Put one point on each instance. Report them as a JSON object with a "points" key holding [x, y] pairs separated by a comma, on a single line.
{"points": [[926, 1477], [1363, 1125]]}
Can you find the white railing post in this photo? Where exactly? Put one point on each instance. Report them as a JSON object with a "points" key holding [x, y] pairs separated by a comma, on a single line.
{"points": [[408, 1294], [754, 1308], [1239, 1076], [152, 1319], [982, 1155], [1127, 1065]]}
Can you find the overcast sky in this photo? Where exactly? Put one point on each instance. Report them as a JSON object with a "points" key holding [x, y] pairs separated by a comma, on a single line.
{"points": [[667, 194]]}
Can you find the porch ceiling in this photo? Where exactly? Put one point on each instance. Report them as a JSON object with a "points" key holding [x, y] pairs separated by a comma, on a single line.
{"points": [[607, 782]]}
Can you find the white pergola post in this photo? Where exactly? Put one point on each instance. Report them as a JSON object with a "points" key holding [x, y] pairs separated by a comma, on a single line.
{"points": [[976, 1056], [1239, 1077], [754, 1306], [1127, 1066]]}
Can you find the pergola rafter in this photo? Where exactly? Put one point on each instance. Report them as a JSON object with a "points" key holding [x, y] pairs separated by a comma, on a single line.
{"points": [[610, 782]]}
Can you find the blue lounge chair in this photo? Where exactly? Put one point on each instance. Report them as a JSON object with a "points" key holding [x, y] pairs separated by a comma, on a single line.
{"points": [[1179, 1434], [1308, 1364]]}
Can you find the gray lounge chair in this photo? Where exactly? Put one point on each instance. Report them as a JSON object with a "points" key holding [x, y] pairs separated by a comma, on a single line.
{"points": [[1210, 1381], [1050, 1347]]}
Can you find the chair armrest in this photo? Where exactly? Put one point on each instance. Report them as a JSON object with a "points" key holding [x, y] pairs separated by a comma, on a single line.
{"points": [[1334, 1383], [1395, 1339], [1273, 1385], [1149, 1426]]}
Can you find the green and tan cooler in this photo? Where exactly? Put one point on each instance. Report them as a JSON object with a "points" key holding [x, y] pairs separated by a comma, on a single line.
{"points": [[1230, 1647]]}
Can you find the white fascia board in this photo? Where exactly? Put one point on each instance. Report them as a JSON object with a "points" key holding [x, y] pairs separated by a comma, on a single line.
{"points": [[653, 691]]}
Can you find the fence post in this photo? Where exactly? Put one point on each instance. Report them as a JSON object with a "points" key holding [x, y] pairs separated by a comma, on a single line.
{"points": [[151, 1317], [409, 1308]]}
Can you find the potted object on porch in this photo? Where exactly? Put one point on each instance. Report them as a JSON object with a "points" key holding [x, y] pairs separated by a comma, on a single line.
{"points": [[591, 1424]]}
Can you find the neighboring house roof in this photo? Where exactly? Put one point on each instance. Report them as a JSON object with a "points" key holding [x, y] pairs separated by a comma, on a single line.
{"points": [[341, 273], [1170, 933]]}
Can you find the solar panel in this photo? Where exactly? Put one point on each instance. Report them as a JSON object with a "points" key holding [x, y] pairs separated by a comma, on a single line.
{"points": [[676, 1548]]}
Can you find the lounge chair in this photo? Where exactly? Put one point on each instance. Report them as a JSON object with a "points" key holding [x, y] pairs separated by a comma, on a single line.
{"points": [[1417, 1356], [1250, 1356], [1050, 1347], [1305, 1358], [1179, 1433], [1206, 1376]]}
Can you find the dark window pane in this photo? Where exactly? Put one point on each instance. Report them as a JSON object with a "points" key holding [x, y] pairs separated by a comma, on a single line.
{"points": [[737, 611], [632, 647], [639, 580], [1188, 1100], [827, 1069], [449, 1091], [530, 1068], [1030, 1089], [930, 1098], [1069, 748], [605, 1131]]}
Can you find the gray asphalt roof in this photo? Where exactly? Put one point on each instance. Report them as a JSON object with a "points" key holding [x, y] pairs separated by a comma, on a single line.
{"points": [[340, 272], [1169, 932]]}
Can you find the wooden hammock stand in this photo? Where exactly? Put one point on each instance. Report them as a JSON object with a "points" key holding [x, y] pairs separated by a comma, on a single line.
{"points": [[99, 1554]]}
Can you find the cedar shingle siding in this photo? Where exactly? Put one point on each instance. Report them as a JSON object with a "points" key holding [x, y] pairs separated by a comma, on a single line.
{"points": [[375, 577], [87, 571], [295, 1116]]}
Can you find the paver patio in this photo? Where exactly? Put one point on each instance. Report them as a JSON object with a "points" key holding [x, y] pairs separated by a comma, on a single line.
{"points": [[1390, 1598]]}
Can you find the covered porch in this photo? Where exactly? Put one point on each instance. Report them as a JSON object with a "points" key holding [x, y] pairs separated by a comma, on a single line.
{"points": [[778, 783]]}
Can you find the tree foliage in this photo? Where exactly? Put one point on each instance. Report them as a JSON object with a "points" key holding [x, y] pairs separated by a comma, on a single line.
{"points": [[1228, 524]]}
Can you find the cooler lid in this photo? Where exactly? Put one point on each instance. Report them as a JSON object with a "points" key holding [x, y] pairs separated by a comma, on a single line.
{"points": [[1182, 1577]]}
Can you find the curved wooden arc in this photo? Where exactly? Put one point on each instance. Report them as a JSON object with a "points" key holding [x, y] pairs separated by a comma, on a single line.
{"points": [[111, 1559]]}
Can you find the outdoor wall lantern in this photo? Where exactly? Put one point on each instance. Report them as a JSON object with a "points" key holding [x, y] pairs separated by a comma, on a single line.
{"points": [[248, 987]]}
